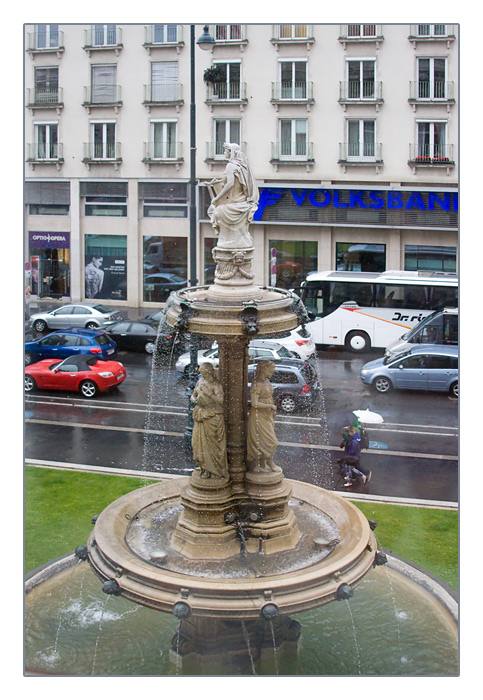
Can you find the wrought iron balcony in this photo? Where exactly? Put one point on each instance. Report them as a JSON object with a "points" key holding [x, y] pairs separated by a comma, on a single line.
{"points": [[215, 151], [360, 33], [229, 33], [432, 32], [43, 42], [431, 154], [294, 91], [226, 92], [45, 153], [163, 93], [107, 152], [103, 38], [360, 153], [292, 152], [163, 152], [293, 34], [165, 35], [431, 91], [105, 96], [360, 91], [45, 98]]}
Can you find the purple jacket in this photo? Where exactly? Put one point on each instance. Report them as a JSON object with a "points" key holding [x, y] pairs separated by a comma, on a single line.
{"points": [[353, 447]]}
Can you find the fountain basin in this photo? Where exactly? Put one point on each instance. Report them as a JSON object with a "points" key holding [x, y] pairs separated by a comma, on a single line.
{"points": [[307, 580]]}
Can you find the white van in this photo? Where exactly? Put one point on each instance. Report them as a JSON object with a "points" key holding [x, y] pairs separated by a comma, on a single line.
{"points": [[439, 328]]}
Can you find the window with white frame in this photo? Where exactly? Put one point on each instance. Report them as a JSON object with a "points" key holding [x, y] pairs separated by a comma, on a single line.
{"points": [[229, 86], [47, 36], [431, 30], [104, 35], [361, 75], [293, 139], [103, 140], [46, 140], [103, 84], [228, 32], [165, 33], [225, 131], [47, 85], [432, 143], [361, 30], [164, 81], [293, 79], [164, 139], [431, 78], [361, 139], [293, 31]]}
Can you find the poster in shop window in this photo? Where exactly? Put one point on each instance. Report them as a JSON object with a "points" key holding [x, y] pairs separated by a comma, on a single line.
{"points": [[105, 272]]}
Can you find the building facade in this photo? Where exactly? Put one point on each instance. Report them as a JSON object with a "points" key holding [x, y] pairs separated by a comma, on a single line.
{"points": [[351, 131]]}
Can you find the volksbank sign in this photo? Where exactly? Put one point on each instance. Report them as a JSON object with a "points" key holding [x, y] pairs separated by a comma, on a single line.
{"points": [[358, 207]]}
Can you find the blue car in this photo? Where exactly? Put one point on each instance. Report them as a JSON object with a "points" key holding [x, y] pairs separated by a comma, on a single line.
{"points": [[75, 341], [424, 368]]}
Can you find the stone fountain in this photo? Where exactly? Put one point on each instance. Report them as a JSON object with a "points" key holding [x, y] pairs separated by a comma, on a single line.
{"points": [[301, 546]]}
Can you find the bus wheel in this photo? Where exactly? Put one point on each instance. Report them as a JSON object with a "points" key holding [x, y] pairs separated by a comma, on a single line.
{"points": [[357, 341]]}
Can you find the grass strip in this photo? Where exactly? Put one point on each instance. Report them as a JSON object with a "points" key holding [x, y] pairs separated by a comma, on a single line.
{"points": [[59, 506]]}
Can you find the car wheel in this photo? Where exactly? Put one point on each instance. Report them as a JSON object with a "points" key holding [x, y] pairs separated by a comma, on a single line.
{"points": [[91, 325], [150, 347], [382, 385], [28, 358], [88, 389], [30, 383], [357, 341], [40, 325], [287, 404], [454, 389]]}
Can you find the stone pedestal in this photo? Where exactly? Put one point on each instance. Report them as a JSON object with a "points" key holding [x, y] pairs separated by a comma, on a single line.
{"points": [[233, 276]]}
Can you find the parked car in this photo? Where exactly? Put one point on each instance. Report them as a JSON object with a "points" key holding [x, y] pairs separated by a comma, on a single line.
{"points": [[424, 368], [439, 328], [82, 315], [85, 373], [295, 384], [133, 335], [299, 342], [161, 284], [257, 349], [77, 341]]}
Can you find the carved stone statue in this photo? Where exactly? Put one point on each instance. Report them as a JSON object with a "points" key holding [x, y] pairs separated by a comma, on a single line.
{"points": [[209, 439], [236, 201], [261, 440]]}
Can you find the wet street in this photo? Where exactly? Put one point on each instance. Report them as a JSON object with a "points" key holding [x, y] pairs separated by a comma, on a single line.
{"points": [[140, 426]]}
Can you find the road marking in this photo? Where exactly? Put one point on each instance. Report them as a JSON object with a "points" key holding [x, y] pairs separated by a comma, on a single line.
{"points": [[283, 444]]}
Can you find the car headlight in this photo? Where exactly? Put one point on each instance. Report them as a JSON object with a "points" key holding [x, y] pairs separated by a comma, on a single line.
{"points": [[364, 371]]}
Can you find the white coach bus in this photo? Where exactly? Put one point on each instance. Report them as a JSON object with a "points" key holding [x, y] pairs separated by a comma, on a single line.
{"points": [[371, 309]]}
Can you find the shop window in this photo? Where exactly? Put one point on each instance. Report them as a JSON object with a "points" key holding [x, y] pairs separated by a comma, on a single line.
{"points": [[365, 257], [431, 258], [291, 262], [164, 199], [104, 198], [105, 267], [165, 266]]}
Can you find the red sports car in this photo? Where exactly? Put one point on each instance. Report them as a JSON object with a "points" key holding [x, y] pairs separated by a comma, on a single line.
{"points": [[85, 373]]}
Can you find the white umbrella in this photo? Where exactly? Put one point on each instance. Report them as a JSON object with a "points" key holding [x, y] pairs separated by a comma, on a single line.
{"points": [[368, 417]]}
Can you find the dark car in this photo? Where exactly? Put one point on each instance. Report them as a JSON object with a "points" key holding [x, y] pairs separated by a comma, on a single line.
{"points": [[295, 384], [75, 341], [134, 335], [169, 342], [161, 284]]}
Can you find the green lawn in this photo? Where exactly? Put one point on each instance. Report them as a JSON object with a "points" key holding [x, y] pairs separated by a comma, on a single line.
{"points": [[59, 506]]}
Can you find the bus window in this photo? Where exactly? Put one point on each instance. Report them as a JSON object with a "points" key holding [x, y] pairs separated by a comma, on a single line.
{"points": [[443, 296], [390, 296], [416, 297], [313, 299], [350, 291]]}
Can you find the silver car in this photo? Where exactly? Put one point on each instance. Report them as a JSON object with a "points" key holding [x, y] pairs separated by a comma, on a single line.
{"points": [[262, 349], [424, 367], [85, 314]]}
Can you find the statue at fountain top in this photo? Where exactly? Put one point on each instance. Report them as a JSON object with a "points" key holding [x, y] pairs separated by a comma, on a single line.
{"points": [[235, 201], [209, 438], [261, 439]]}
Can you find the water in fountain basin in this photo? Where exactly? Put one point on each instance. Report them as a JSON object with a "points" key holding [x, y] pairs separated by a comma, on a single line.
{"points": [[140, 638]]}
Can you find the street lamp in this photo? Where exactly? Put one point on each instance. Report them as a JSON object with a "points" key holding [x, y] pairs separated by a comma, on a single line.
{"points": [[205, 42]]}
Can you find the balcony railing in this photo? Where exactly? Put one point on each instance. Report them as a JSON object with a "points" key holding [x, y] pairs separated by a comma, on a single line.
{"points": [[228, 33], [292, 151], [216, 151], [103, 38], [427, 90], [45, 152], [292, 32], [431, 154], [161, 151], [44, 43], [161, 93], [107, 151], [169, 35], [45, 97], [226, 92], [432, 31], [360, 153], [360, 91], [360, 32], [109, 95], [293, 91]]}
